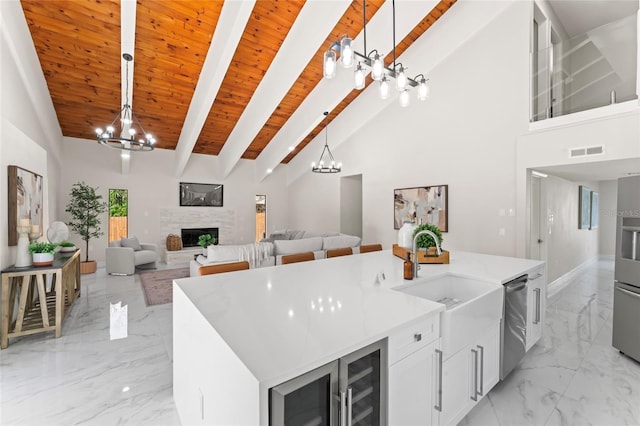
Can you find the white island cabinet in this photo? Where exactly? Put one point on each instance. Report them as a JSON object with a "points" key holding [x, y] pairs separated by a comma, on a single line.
{"points": [[238, 335], [412, 353]]}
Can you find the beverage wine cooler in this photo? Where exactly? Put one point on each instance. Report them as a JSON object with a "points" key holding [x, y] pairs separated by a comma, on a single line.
{"points": [[350, 391]]}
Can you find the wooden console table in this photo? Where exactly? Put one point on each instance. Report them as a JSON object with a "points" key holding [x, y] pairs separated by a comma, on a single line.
{"points": [[46, 311]]}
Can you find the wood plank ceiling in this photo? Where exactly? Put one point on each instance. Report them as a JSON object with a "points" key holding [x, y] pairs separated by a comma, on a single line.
{"points": [[78, 45]]}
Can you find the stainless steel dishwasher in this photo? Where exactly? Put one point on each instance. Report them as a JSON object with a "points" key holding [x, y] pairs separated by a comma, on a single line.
{"points": [[513, 330]]}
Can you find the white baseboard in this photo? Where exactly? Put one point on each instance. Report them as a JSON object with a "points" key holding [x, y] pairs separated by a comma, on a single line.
{"points": [[556, 286]]}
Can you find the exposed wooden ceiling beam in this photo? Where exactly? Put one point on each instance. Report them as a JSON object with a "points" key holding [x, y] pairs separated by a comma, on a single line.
{"points": [[231, 24], [315, 21]]}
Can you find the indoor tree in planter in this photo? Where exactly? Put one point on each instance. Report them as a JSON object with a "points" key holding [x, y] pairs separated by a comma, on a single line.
{"points": [[85, 208]]}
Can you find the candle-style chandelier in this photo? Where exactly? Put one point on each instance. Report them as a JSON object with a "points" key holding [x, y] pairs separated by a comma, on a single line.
{"points": [[123, 131]]}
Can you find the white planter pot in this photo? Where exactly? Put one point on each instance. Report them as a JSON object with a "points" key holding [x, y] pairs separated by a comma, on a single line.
{"points": [[42, 259]]}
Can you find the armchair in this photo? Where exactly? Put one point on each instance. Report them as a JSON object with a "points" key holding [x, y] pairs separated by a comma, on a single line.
{"points": [[124, 256]]}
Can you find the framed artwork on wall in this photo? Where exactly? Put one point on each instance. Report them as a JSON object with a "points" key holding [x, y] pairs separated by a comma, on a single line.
{"points": [[200, 194], [584, 207], [593, 223], [25, 199], [426, 204]]}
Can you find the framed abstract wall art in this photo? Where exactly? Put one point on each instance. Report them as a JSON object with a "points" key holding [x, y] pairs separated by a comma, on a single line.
{"points": [[25, 199], [422, 204]]}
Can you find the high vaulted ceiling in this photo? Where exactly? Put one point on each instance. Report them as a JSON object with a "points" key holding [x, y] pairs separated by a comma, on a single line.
{"points": [[210, 77]]}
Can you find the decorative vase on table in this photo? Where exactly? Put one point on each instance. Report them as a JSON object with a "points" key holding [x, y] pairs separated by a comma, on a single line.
{"points": [[405, 234]]}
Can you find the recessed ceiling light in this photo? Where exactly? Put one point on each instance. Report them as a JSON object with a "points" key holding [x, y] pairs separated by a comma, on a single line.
{"points": [[291, 148], [269, 171]]}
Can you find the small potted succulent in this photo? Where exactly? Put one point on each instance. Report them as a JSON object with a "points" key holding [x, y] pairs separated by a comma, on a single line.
{"points": [[426, 241], [42, 253], [205, 241], [66, 246]]}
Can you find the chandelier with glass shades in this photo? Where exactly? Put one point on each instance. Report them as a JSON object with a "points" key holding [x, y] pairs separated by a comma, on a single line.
{"points": [[374, 61], [125, 131], [330, 166]]}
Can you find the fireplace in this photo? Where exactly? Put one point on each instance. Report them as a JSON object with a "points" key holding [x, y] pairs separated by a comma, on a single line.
{"points": [[190, 235]]}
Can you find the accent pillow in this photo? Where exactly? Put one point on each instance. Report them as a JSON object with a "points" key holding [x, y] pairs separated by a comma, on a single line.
{"points": [[131, 242], [340, 241], [304, 245]]}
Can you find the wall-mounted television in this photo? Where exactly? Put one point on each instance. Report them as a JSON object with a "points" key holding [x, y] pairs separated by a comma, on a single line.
{"points": [[200, 194]]}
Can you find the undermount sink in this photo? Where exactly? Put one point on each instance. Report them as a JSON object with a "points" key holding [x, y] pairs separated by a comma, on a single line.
{"points": [[471, 306]]}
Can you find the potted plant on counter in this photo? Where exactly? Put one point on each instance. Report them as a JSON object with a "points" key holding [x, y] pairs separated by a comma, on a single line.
{"points": [[85, 208], [42, 253], [205, 241], [426, 241]]}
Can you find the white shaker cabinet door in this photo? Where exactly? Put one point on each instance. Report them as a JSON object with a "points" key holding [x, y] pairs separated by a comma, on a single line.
{"points": [[411, 387]]}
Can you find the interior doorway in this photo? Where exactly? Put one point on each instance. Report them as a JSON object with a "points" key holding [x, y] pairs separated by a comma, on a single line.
{"points": [[118, 214], [261, 217], [351, 205]]}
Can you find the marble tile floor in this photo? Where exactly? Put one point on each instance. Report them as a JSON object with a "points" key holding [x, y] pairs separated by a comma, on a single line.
{"points": [[572, 377], [83, 377]]}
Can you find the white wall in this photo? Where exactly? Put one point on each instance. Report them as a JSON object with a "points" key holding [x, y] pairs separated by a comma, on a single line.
{"points": [[619, 134], [567, 246], [463, 136], [153, 188], [608, 200], [30, 136]]}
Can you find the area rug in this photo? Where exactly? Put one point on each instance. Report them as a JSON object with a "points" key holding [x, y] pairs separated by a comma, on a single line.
{"points": [[157, 286]]}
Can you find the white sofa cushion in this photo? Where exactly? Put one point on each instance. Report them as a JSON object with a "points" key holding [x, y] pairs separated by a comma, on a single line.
{"points": [[340, 241], [281, 247], [222, 253]]}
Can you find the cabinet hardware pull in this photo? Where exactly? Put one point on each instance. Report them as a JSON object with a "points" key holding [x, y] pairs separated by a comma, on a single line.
{"points": [[630, 293], [474, 393], [535, 277], [349, 406], [537, 318], [481, 393], [438, 405], [417, 337], [343, 408]]}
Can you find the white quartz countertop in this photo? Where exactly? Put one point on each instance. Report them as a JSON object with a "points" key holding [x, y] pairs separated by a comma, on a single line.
{"points": [[285, 320]]}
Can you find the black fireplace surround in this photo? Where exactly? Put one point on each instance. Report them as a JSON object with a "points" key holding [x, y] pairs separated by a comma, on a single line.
{"points": [[190, 235]]}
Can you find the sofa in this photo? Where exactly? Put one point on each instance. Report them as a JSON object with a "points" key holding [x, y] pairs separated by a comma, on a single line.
{"points": [[269, 251], [123, 256]]}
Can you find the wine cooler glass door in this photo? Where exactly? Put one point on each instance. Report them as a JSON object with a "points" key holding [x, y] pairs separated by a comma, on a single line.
{"points": [[363, 387], [307, 400]]}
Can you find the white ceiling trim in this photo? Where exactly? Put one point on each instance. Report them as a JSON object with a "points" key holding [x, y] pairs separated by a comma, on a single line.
{"points": [[329, 93], [443, 38], [231, 24], [315, 21]]}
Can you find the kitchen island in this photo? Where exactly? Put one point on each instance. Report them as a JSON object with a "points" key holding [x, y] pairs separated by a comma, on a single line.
{"points": [[239, 334]]}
